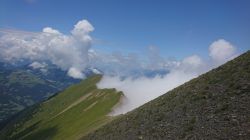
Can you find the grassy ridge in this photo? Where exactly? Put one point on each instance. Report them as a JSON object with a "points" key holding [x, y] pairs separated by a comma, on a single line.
{"points": [[68, 115], [213, 106]]}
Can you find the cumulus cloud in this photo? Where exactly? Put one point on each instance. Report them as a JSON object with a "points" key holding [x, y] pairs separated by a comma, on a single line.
{"points": [[81, 31], [221, 51], [138, 91], [69, 52], [75, 73]]}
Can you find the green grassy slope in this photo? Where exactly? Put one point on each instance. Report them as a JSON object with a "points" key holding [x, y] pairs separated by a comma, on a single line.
{"points": [[68, 115], [216, 105]]}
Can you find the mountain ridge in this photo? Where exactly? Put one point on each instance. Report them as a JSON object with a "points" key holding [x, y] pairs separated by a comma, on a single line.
{"points": [[68, 115]]}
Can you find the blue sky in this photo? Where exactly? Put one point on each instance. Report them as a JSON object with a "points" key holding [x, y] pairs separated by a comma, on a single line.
{"points": [[177, 28]]}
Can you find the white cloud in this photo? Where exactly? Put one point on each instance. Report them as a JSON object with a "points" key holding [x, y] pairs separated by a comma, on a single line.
{"points": [[65, 51], [37, 65], [96, 71], [51, 31], [221, 51], [40, 66], [75, 73], [193, 63], [193, 60], [81, 31]]}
